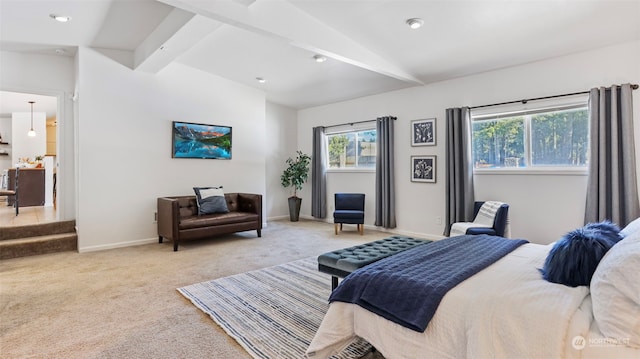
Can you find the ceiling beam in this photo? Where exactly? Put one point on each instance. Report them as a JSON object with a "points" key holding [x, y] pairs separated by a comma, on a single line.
{"points": [[282, 21], [178, 32]]}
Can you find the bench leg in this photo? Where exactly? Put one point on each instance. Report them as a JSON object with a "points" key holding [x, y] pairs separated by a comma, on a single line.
{"points": [[175, 246], [259, 233], [334, 282], [159, 239]]}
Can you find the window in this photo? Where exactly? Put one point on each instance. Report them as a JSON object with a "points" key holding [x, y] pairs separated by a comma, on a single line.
{"points": [[355, 149], [549, 138]]}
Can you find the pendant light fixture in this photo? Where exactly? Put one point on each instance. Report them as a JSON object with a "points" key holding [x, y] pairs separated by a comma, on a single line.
{"points": [[31, 132]]}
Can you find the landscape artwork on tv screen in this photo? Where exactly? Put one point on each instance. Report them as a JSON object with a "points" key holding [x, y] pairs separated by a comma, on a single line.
{"points": [[197, 140]]}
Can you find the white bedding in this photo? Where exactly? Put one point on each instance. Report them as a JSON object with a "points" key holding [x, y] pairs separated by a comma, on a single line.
{"points": [[505, 311]]}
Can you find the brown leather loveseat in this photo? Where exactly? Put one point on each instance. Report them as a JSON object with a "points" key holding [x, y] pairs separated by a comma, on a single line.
{"points": [[178, 218]]}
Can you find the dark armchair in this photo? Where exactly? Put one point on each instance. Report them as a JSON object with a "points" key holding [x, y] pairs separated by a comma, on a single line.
{"points": [[492, 220], [349, 210], [11, 193]]}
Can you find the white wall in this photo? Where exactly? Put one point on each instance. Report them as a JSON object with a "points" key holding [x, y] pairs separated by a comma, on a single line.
{"points": [[282, 143], [53, 76], [23, 146], [124, 144], [542, 207]]}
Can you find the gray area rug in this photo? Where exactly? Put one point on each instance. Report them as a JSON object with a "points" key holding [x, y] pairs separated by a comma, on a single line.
{"points": [[272, 312]]}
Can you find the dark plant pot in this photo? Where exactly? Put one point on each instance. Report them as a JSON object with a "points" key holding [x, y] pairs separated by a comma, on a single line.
{"points": [[294, 208]]}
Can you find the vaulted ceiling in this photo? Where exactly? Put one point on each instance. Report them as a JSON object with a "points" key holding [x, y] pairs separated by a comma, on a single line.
{"points": [[368, 45]]}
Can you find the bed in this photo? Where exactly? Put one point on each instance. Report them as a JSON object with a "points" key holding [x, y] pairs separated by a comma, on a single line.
{"points": [[508, 310]]}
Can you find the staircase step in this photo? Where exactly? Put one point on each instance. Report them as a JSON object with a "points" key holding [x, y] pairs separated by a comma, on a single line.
{"points": [[34, 230], [29, 246]]}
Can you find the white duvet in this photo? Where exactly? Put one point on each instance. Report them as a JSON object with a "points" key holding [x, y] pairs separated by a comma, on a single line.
{"points": [[505, 311]]}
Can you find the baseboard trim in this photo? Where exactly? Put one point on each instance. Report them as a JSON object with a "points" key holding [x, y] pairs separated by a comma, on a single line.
{"points": [[277, 218], [140, 242], [103, 247], [433, 237]]}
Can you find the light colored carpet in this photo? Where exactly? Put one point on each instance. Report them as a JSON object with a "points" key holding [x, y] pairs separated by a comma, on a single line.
{"points": [[272, 312], [123, 303]]}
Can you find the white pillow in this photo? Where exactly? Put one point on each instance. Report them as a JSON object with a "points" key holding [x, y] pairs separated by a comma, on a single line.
{"points": [[631, 228], [615, 291]]}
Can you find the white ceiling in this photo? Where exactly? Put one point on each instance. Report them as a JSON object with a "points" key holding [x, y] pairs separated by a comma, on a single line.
{"points": [[369, 47], [19, 102]]}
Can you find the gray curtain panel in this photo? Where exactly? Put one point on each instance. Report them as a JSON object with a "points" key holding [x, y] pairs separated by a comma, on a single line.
{"points": [[459, 168], [318, 175], [385, 180], [612, 191]]}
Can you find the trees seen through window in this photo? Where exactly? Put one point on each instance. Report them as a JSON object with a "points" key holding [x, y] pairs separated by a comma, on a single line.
{"points": [[355, 149], [557, 138]]}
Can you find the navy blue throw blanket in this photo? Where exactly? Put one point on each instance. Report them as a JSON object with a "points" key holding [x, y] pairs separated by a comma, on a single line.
{"points": [[406, 288]]}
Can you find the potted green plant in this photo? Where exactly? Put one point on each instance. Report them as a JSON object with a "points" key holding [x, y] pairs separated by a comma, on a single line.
{"points": [[295, 175]]}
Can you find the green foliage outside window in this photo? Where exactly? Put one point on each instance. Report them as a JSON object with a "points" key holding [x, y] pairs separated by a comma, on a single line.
{"points": [[554, 138], [355, 149], [499, 143], [337, 148], [560, 138]]}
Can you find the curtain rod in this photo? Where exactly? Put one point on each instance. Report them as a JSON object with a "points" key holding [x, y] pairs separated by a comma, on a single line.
{"points": [[353, 123], [633, 87]]}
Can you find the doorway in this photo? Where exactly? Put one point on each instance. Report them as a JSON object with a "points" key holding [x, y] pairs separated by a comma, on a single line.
{"points": [[18, 149]]}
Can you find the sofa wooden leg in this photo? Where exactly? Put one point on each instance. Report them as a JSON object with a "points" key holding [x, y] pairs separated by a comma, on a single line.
{"points": [[361, 229], [259, 233], [175, 246], [159, 239], [335, 226]]}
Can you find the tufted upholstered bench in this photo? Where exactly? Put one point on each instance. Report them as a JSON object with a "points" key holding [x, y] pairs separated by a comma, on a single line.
{"points": [[342, 262]]}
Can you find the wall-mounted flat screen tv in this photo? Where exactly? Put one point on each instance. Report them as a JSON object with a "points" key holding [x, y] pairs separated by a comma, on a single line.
{"points": [[198, 140]]}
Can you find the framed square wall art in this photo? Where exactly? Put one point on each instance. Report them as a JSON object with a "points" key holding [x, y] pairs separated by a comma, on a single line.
{"points": [[198, 140], [423, 169], [423, 132]]}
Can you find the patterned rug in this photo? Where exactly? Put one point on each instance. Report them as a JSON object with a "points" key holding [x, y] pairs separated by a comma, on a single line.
{"points": [[272, 312]]}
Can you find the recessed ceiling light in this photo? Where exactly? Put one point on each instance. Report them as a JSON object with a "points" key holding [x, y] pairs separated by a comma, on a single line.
{"points": [[415, 23], [260, 80], [60, 18], [319, 58]]}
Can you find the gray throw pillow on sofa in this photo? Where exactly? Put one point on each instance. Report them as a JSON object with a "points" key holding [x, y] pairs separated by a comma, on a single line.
{"points": [[210, 200]]}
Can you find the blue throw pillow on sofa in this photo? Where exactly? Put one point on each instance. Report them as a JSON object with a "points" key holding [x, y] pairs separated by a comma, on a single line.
{"points": [[574, 257], [210, 200]]}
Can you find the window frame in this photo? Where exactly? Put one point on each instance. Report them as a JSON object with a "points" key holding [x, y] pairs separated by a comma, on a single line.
{"points": [[346, 131], [528, 111]]}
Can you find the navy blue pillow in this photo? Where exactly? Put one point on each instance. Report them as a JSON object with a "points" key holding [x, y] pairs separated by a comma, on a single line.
{"points": [[606, 229], [574, 257]]}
